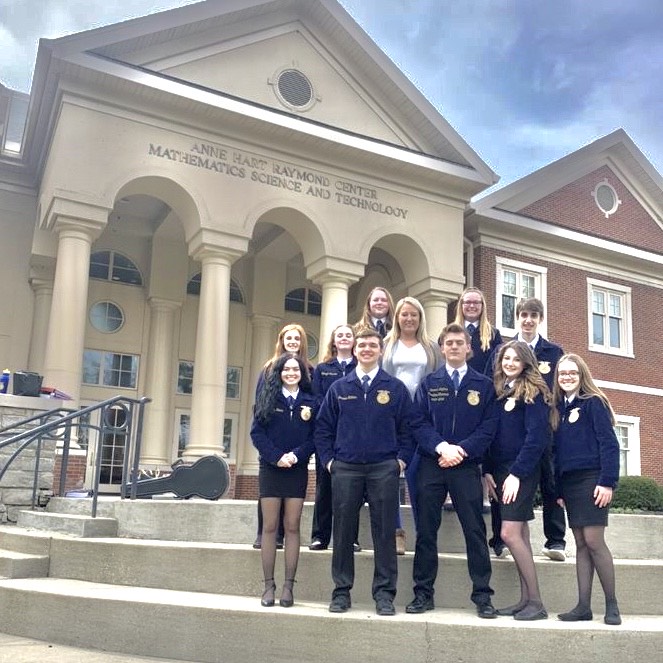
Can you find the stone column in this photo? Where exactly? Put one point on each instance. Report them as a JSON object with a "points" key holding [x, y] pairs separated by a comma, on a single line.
{"points": [[208, 398], [436, 306], [157, 437], [63, 360], [43, 289]]}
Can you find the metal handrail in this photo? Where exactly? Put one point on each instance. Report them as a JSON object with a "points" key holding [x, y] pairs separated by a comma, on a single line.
{"points": [[61, 426]]}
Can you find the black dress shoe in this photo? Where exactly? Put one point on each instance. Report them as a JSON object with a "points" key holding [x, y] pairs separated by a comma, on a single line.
{"points": [[257, 544], [531, 613], [340, 603], [486, 610], [279, 544], [420, 604], [510, 610], [356, 547], [612, 616], [385, 608], [576, 615], [316, 544]]}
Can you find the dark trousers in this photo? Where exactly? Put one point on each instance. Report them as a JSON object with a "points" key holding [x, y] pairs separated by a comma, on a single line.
{"points": [[411, 477], [554, 522], [379, 483], [463, 483], [321, 528]]}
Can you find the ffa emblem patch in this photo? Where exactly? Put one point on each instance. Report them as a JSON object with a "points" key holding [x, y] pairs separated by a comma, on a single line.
{"points": [[574, 415], [305, 414], [510, 404], [544, 367], [473, 397], [383, 397]]}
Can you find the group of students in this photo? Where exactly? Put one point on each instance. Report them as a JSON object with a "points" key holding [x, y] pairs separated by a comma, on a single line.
{"points": [[454, 416]]}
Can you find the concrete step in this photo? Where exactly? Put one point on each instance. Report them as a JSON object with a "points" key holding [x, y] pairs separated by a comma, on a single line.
{"points": [[70, 524], [236, 569], [22, 565], [208, 628], [234, 521]]}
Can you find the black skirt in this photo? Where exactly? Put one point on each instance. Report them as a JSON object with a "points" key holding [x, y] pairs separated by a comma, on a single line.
{"points": [[521, 509], [282, 481], [578, 492]]}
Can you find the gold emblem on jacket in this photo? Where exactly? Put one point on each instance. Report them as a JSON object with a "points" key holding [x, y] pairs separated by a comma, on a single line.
{"points": [[510, 404], [574, 415], [544, 367], [383, 396], [305, 414], [473, 397]]}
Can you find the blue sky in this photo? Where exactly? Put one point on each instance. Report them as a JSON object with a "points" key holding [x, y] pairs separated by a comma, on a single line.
{"points": [[523, 81]]}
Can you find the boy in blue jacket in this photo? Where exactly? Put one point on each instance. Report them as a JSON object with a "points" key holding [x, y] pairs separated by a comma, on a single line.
{"points": [[363, 438], [457, 404]]}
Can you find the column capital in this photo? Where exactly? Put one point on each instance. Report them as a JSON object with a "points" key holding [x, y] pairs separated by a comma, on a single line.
{"points": [[41, 285], [432, 288], [63, 212], [262, 321], [329, 269], [157, 303], [207, 243]]}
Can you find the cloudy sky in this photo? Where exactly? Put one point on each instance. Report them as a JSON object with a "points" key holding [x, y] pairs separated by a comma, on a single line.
{"points": [[523, 81]]}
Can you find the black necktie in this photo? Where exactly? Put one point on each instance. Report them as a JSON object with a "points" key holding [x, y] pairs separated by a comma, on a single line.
{"points": [[364, 383], [471, 329], [291, 402], [379, 325], [344, 365], [455, 378]]}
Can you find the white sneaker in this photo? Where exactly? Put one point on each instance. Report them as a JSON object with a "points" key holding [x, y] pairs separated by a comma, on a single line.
{"points": [[556, 554]]}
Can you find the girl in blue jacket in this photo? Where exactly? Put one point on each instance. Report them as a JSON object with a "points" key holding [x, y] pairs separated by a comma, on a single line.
{"points": [[513, 466], [282, 432], [587, 470]]}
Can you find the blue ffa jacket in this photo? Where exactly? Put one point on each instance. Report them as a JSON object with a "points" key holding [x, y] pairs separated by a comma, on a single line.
{"points": [[522, 436], [467, 418], [547, 354], [586, 440], [354, 427], [327, 373], [287, 430], [480, 358]]}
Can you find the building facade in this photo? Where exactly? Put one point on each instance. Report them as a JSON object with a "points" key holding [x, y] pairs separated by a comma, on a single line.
{"points": [[189, 182]]}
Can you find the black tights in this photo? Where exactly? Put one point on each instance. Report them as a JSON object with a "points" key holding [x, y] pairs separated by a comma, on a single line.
{"points": [[515, 535], [592, 553], [292, 512]]}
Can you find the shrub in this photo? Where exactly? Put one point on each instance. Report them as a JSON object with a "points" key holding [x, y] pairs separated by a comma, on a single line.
{"points": [[641, 493]]}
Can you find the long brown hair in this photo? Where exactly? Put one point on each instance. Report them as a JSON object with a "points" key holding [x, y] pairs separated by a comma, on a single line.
{"points": [[586, 388], [529, 384], [331, 351], [279, 349], [366, 317], [486, 330]]}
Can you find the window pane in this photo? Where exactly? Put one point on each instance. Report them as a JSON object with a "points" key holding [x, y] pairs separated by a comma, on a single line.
{"points": [[295, 300], [235, 293], [193, 286], [314, 303], [508, 312], [185, 377], [233, 382], [106, 317], [509, 283], [615, 333], [227, 436], [616, 306], [99, 265], [597, 328], [91, 366], [183, 438], [528, 286], [598, 302]]}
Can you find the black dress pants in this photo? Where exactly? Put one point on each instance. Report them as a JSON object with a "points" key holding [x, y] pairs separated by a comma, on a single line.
{"points": [[463, 483], [379, 483], [321, 528]]}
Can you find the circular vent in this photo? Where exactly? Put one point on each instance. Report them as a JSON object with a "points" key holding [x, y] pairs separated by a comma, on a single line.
{"points": [[294, 88]]}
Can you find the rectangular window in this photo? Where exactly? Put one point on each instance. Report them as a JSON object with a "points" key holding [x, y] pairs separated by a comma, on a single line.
{"points": [[110, 369], [627, 430], [185, 380], [182, 430], [515, 281], [610, 327]]}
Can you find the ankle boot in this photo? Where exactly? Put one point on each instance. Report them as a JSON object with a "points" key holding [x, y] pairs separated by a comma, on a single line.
{"points": [[267, 600], [287, 599]]}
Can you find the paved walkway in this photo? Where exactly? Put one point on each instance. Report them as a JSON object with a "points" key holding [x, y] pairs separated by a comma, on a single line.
{"points": [[23, 650]]}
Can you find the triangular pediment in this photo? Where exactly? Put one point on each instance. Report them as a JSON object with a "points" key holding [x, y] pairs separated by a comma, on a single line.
{"points": [[241, 48], [607, 189]]}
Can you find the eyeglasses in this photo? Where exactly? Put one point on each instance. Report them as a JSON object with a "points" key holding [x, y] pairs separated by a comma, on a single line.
{"points": [[472, 302], [568, 374]]}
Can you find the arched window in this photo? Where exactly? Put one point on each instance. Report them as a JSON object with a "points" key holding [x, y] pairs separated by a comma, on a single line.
{"points": [[304, 300], [113, 266], [193, 288]]}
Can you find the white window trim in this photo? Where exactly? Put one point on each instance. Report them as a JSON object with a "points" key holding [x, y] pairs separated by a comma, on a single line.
{"points": [[633, 465], [234, 435], [627, 349], [541, 272]]}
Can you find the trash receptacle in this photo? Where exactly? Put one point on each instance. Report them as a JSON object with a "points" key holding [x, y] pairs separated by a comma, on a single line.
{"points": [[26, 383]]}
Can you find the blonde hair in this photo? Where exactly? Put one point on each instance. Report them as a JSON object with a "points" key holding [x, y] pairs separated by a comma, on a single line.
{"points": [[279, 349], [586, 388], [331, 350], [529, 384], [486, 330], [366, 317], [422, 335]]}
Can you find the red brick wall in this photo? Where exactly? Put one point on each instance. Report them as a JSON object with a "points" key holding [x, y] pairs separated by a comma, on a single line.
{"points": [[573, 206], [568, 326]]}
